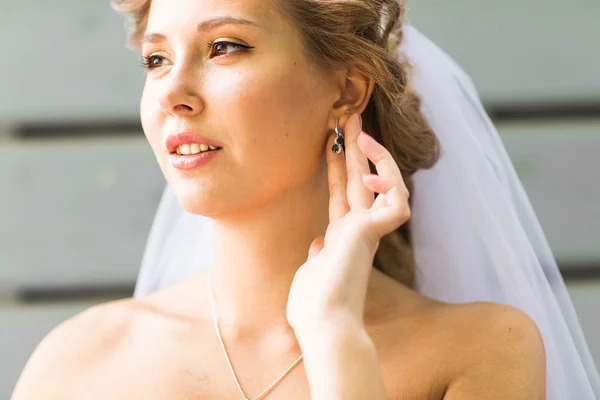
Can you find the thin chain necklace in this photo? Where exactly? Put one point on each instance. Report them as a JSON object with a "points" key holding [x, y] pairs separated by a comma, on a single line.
{"points": [[235, 378]]}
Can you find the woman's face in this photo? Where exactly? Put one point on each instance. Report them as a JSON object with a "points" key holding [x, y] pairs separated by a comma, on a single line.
{"points": [[267, 107]]}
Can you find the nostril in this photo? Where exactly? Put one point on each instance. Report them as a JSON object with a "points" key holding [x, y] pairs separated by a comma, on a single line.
{"points": [[183, 107]]}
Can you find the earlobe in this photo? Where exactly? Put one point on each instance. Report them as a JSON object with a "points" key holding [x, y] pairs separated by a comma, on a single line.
{"points": [[339, 120]]}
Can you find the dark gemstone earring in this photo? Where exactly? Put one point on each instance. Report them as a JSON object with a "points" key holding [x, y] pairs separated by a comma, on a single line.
{"points": [[339, 139]]}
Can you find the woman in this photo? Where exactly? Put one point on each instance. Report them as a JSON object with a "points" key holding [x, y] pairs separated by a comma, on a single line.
{"points": [[259, 86]]}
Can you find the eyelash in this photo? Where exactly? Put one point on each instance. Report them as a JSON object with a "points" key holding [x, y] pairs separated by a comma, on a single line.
{"points": [[147, 60]]}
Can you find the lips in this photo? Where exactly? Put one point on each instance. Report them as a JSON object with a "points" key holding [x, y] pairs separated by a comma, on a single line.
{"points": [[176, 140], [192, 162]]}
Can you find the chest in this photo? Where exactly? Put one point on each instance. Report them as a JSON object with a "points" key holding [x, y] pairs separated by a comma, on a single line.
{"points": [[179, 376], [189, 364]]}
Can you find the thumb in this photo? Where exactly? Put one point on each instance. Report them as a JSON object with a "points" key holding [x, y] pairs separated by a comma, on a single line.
{"points": [[316, 246]]}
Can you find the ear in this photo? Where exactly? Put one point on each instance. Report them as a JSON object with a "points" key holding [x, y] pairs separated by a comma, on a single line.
{"points": [[355, 90]]}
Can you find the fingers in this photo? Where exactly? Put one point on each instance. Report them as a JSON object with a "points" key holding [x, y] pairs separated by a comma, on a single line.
{"points": [[336, 175], [384, 162], [376, 183], [316, 246], [391, 208], [357, 164]]}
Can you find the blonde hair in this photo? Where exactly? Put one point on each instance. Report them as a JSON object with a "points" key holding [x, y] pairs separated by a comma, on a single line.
{"points": [[364, 34]]}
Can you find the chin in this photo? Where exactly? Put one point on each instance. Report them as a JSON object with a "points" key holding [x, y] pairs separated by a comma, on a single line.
{"points": [[199, 199]]}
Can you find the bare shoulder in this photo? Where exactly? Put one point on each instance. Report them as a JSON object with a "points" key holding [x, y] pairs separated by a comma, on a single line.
{"points": [[499, 353], [103, 340], [490, 320], [68, 349]]}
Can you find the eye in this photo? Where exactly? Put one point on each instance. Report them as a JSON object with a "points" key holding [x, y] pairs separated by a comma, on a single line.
{"points": [[152, 61], [222, 48]]}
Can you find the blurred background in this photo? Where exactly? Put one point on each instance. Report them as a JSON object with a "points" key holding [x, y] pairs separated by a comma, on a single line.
{"points": [[79, 185]]}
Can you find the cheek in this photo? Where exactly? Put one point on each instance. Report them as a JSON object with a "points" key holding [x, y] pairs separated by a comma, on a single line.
{"points": [[275, 106], [147, 111], [150, 117], [276, 118]]}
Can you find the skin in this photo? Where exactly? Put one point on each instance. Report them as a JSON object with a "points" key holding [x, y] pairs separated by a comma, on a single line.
{"points": [[311, 289]]}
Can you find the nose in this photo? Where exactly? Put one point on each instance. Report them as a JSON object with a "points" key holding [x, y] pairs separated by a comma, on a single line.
{"points": [[180, 97]]}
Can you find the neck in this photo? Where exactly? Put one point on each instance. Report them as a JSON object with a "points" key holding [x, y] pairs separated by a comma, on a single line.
{"points": [[257, 256]]}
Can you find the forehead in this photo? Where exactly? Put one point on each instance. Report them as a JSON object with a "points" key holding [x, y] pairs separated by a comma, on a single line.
{"points": [[179, 13]]}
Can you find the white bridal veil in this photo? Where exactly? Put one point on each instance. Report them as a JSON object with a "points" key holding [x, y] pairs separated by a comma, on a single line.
{"points": [[475, 234]]}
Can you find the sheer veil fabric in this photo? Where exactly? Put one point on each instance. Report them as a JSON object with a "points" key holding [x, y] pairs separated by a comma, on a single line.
{"points": [[476, 236]]}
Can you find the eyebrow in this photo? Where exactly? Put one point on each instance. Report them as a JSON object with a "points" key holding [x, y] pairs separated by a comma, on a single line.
{"points": [[154, 38], [216, 22], [202, 27]]}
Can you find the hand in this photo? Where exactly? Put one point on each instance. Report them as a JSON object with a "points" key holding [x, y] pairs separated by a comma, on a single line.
{"points": [[330, 287]]}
